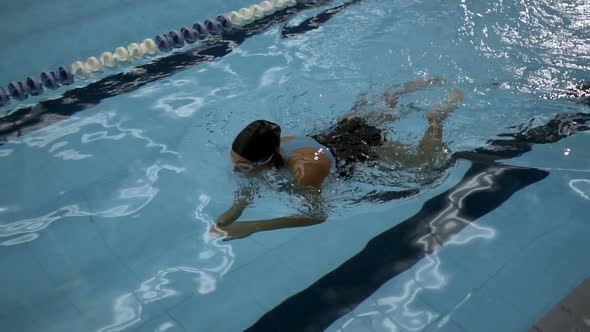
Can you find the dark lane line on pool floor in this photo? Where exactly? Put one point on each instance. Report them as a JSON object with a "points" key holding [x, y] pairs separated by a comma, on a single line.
{"points": [[315, 21], [485, 186], [47, 112]]}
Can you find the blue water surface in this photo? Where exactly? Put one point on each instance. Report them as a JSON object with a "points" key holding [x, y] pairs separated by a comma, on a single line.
{"points": [[105, 216]]}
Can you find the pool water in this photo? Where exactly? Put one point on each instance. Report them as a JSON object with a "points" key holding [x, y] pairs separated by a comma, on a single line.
{"points": [[105, 214]]}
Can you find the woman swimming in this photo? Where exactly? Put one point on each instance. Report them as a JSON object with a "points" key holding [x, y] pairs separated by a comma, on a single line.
{"points": [[310, 160]]}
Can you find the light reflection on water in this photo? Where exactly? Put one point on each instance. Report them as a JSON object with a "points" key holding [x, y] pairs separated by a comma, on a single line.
{"points": [[128, 307], [126, 201], [397, 305], [531, 48], [130, 201]]}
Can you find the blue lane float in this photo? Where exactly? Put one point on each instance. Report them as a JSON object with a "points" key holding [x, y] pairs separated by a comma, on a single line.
{"points": [[49, 80], [4, 99], [34, 86], [213, 27], [201, 30], [17, 90], [225, 24], [176, 39], [163, 42], [189, 34], [64, 75]]}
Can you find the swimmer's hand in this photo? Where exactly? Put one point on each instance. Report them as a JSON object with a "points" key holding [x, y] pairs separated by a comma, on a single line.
{"points": [[234, 231], [435, 80], [243, 198], [230, 216]]}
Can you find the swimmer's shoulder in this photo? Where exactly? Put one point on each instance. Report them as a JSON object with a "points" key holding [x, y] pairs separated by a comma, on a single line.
{"points": [[308, 167]]}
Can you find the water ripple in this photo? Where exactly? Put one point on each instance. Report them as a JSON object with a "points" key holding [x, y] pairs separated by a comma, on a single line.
{"points": [[130, 200]]}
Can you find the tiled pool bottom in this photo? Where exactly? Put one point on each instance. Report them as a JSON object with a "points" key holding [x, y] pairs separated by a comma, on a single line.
{"points": [[493, 277], [116, 201], [498, 274]]}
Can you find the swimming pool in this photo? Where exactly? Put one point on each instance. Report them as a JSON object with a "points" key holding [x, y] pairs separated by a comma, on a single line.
{"points": [[108, 197]]}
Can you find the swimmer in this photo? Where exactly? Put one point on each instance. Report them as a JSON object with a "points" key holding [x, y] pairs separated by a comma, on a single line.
{"points": [[310, 160]]}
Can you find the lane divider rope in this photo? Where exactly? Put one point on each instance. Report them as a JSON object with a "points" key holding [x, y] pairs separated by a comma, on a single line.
{"points": [[167, 42]]}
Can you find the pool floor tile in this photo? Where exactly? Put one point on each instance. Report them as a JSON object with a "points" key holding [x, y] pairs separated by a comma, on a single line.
{"points": [[163, 323], [19, 320], [358, 319], [22, 197], [230, 306], [269, 279], [445, 284], [71, 246], [399, 299], [352, 323], [195, 253], [48, 315], [479, 250], [381, 322], [445, 324], [24, 278], [63, 249], [314, 254], [537, 278], [149, 231], [177, 274], [486, 311]]}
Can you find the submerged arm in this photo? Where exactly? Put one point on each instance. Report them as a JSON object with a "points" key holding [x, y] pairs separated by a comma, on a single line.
{"points": [[243, 198], [246, 228], [243, 229]]}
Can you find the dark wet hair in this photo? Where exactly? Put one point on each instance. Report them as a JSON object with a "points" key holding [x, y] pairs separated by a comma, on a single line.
{"points": [[352, 140], [258, 141], [581, 91]]}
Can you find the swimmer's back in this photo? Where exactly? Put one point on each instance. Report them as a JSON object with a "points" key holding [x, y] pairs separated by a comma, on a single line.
{"points": [[309, 161]]}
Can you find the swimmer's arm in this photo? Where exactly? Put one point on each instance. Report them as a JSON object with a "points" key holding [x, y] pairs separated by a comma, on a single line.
{"points": [[243, 199], [316, 214], [392, 94], [246, 228]]}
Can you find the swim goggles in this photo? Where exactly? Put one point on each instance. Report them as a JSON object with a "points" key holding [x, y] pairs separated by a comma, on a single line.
{"points": [[248, 166]]}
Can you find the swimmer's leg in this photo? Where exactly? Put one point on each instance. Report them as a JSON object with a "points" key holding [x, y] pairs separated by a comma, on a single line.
{"points": [[393, 93], [390, 97], [432, 140], [375, 118], [360, 103], [398, 154]]}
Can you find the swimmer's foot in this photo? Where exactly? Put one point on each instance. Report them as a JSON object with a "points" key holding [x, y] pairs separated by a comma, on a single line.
{"points": [[442, 111], [411, 87], [378, 118], [435, 80]]}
